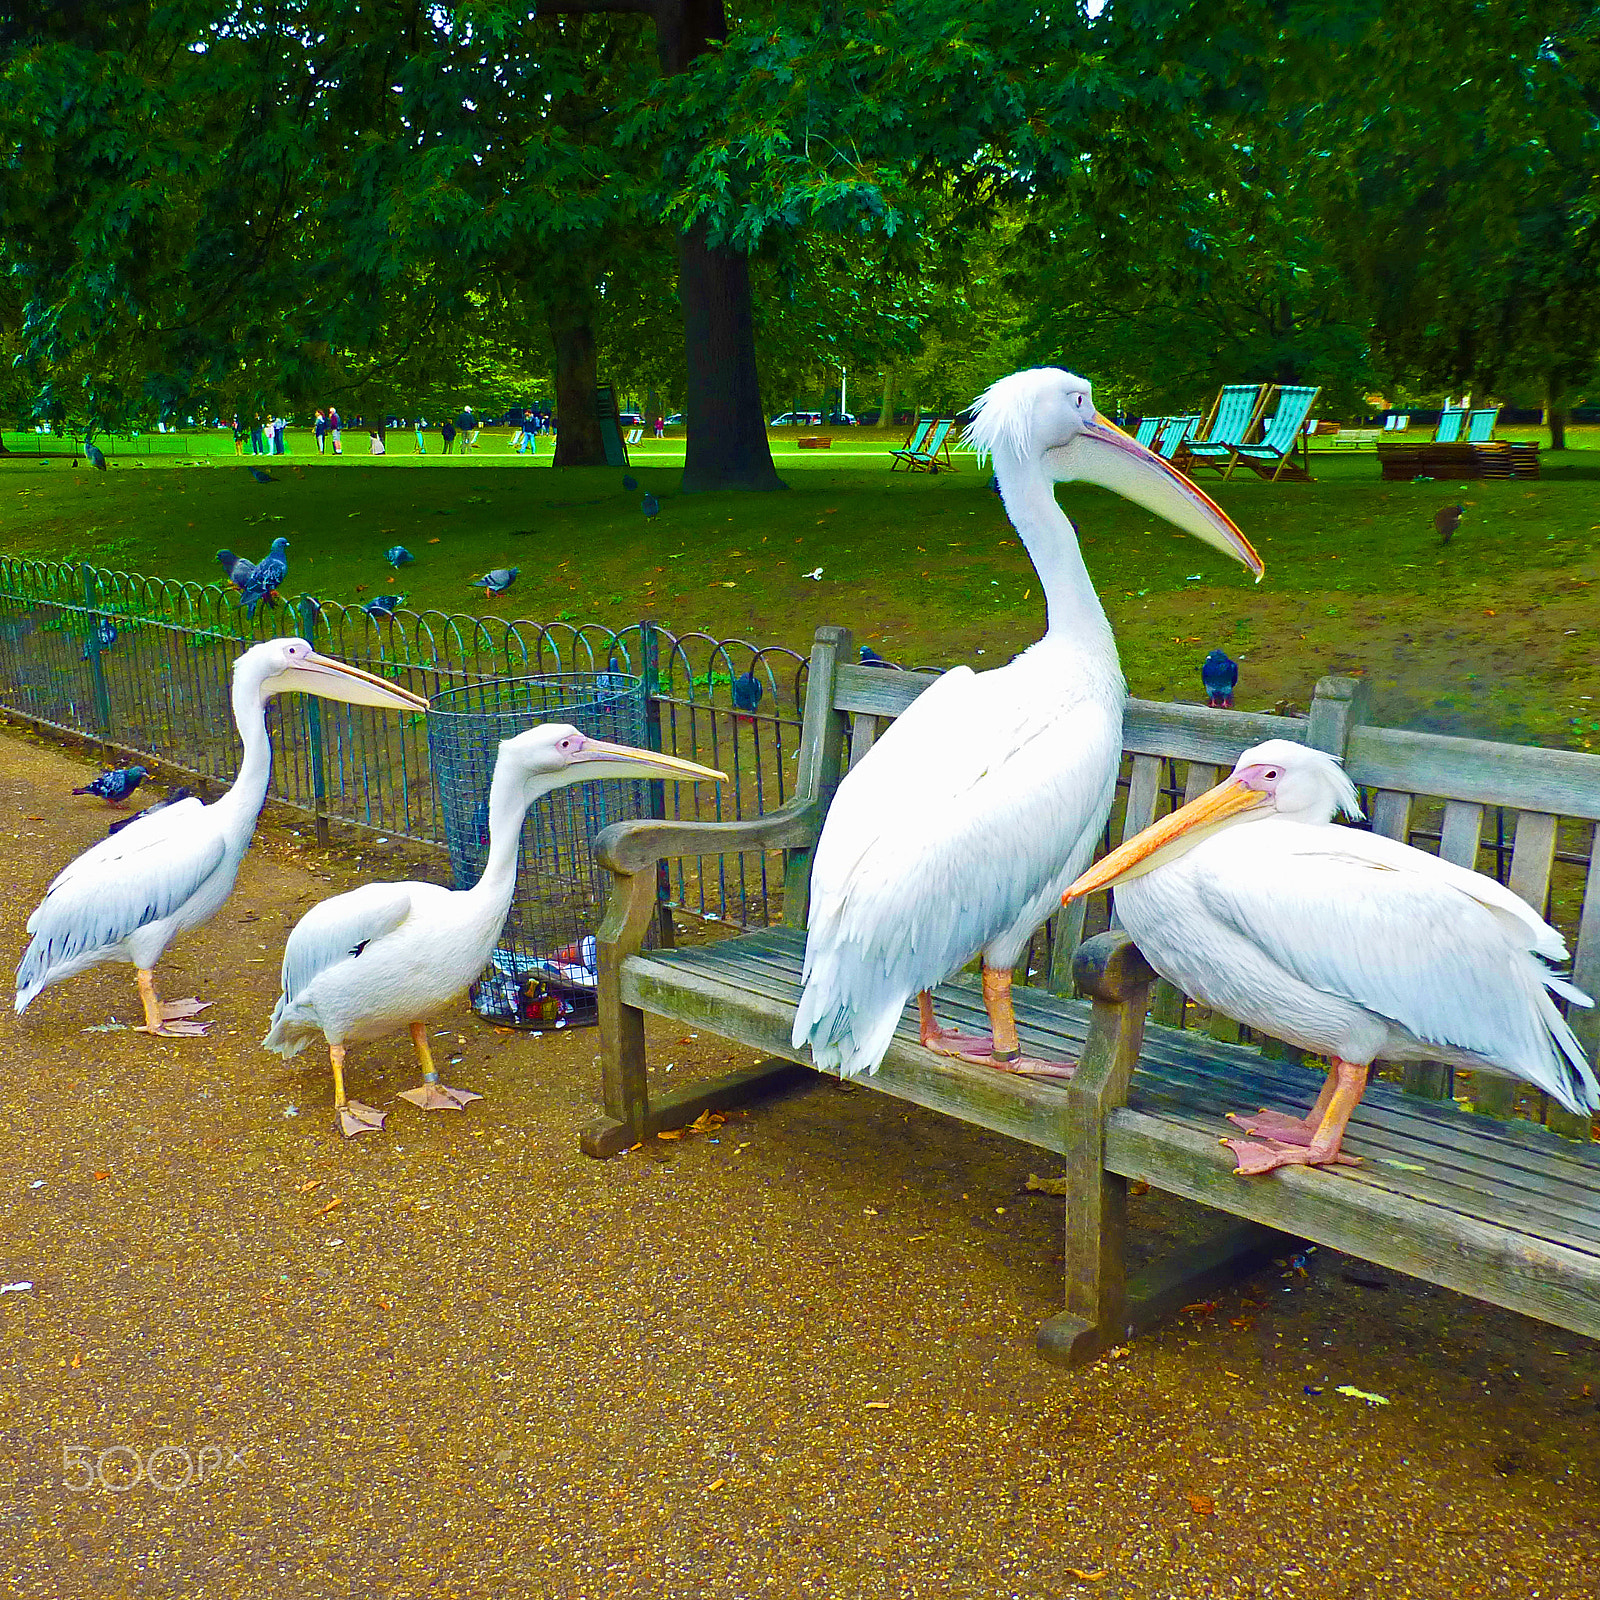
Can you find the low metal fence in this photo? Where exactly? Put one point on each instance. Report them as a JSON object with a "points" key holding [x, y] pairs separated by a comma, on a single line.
{"points": [[142, 666]]}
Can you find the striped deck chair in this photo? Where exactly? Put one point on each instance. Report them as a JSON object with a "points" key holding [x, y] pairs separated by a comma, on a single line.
{"points": [[1396, 423], [1273, 457], [1449, 429], [1480, 425], [935, 452], [1175, 434], [1233, 417], [1148, 428], [913, 445]]}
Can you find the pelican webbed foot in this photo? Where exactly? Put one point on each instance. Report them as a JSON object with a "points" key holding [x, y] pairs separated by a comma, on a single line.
{"points": [[985, 1050], [1310, 1141], [430, 1094], [1255, 1156], [169, 1019], [356, 1118]]}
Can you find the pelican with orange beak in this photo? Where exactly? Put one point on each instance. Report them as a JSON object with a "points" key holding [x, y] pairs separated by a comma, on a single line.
{"points": [[1352, 946], [956, 833]]}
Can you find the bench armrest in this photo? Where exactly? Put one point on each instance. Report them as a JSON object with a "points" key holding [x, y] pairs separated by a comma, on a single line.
{"points": [[629, 847]]}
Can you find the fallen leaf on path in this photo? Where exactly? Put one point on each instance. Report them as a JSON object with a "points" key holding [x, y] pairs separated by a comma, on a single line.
{"points": [[716, 1483], [310, 1185], [77, 1360], [1361, 1394], [1087, 1577], [322, 1211], [875, 1405], [1045, 1185], [99, 1177], [1202, 1505]]}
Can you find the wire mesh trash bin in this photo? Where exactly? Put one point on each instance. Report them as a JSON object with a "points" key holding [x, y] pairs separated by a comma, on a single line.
{"points": [[542, 973]]}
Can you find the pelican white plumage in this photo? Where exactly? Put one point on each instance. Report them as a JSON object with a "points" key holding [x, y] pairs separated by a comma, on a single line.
{"points": [[957, 832], [388, 956], [1345, 943], [127, 897]]}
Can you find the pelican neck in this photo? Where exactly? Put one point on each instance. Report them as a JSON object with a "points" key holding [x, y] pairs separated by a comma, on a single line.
{"points": [[1072, 608], [248, 791]]}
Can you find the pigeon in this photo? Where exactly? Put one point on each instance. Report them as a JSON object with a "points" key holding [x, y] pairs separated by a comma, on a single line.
{"points": [[1446, 521], [238, 568], [747, 692], [615, 681], [384, 605], [496, 581], [871, 658], [629, 484], [105, 632], [96, 459], [260, 476], [159, 805], [116, 785], [270, 572], [398, 556], [650, 506], [1219, 676]]}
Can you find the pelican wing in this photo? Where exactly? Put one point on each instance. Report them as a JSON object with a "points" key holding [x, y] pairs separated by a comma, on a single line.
{"points": [[975, 800], [339, 930], [143, 874], [1446, 954]]}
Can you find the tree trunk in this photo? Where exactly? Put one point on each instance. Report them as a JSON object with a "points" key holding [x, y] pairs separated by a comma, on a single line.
{"points": [[1555, 416], [578, 442], [727, 429], [891, 393]]}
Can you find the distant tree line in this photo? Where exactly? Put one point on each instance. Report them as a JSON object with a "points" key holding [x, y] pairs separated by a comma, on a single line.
{"points": [[258, 205]]}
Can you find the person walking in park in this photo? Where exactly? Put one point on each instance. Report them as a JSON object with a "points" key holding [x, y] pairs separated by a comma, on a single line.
{"points": [[376, 447], [336, 430], [422, 448], [258, 445], [449, 433], [278, 426], [526, 438], [320, 428], [238, 437], [661, 427]]}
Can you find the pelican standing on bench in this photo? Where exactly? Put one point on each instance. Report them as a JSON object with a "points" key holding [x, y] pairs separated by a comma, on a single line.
{"points": [[958, 830], [1348, 944], [388, 956], [169, 870]]}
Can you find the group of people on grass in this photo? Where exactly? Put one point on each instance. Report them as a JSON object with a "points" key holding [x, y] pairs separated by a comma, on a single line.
{"points": [[265, 438]]}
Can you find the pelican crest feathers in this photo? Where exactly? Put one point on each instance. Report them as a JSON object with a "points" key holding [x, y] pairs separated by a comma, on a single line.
{"points": [[1003, 415]]}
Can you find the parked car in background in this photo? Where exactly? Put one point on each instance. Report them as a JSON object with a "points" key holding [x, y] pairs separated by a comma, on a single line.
{"points": [[674, 421], [841, 419], [797, 419], [630, 419]]}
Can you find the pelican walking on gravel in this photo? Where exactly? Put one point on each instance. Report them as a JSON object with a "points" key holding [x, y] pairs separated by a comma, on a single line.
{"points": [[957, 832], [170, 869], [388, 956], [1346, 943]]}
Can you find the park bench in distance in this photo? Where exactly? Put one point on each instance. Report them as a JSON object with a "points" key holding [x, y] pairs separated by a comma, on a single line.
{"points": [[1495, 1207]]}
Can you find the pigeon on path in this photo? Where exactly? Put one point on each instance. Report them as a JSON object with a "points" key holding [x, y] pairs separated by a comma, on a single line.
{"points": [[496, 581], [398, 556], [116, 785], [270, 572], [1219, 677], [1446, 521], [238, 568]]}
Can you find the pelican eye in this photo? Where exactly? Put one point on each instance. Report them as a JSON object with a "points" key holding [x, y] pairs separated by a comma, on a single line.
{"points": [[1271, 774]]}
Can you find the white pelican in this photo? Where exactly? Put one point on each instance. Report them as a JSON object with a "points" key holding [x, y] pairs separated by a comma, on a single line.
{"points": [[1345, 943], [390, 955], [128, 897], [957, 832]]}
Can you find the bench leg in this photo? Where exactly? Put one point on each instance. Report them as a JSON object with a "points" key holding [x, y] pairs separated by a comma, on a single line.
{"points": [[609, 1135], [1094, 1318]]}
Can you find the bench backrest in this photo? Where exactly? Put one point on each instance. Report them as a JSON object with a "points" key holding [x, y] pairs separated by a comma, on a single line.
{"points": [[1521, 813], [1449, 429], [1480, 425], [1235, 413], [1294, 406], [919, 434], [936, 439]]}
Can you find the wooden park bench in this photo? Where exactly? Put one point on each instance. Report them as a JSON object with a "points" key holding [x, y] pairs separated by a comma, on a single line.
{"points": [[1489, 1205]]}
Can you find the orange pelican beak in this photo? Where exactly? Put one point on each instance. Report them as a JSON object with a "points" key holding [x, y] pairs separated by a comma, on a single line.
{"points": [[1169, 838]]}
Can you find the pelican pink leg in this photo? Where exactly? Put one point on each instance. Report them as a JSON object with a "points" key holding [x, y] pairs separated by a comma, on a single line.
{"points": [[1000, 1049], [1348, 1083]]}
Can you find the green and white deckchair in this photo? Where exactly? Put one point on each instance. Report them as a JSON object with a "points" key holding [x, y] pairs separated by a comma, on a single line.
{"points": [[1146, 433], [1175, 434], [1449, 429], [1273, 457], [935, 452], [1480, 425], [1233, 417], [913, 445]]}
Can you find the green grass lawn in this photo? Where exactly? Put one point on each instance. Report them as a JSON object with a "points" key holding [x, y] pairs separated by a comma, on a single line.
{"points": [[1493, 636]]}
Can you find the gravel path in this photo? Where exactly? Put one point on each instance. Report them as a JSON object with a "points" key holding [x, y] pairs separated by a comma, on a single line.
{"points": [[791, 1357]]}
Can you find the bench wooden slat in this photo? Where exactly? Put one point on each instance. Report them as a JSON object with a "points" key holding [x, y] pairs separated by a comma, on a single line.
{"points": [[1523, 777], [863, 735], [1202, 775], [1144, 790], [1532, 857], [1391, 814], [1462, 832]]}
